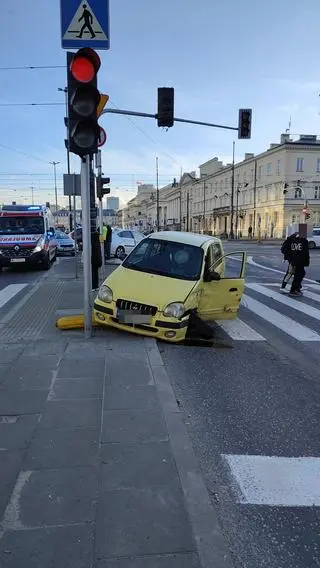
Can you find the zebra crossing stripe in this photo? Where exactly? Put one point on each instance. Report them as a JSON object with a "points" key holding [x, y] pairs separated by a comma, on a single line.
{"points": [[276, 481], [296, 305], [10, 292], [239, 330], [282, 322]]}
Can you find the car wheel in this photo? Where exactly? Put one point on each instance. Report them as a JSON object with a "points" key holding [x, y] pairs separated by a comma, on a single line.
{"points": [[312, 245], [119, 252], [46, 263]]}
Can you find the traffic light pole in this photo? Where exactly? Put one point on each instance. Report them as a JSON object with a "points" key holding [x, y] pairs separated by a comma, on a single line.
{"points": [[146, 115], [86, 242]]}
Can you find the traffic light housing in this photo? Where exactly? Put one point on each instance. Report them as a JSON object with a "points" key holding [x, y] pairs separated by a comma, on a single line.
{"points": [[83, 101], [165, 115], [101, 191], [244, 124]]}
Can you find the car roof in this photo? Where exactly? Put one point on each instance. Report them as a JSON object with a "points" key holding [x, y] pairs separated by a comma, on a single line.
{"points": [[194, 239]]}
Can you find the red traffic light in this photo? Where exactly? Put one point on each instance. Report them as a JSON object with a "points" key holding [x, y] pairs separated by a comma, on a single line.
{"points": [[85, 65]]}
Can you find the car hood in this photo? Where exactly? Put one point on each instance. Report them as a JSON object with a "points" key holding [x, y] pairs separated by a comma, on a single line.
{"points": [[145, 288], [64, 242], [7, 240]]}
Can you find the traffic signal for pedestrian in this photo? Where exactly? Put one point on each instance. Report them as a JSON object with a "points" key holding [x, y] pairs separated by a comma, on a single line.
{"points": [[101, 191], [165, 115], [244, 124], [83, 101]]}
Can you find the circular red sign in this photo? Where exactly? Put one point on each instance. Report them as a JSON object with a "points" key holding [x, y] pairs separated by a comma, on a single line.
{"points": [[102, 138]]}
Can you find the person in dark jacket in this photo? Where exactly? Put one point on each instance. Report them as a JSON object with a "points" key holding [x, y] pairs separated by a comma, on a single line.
{"points": [[296, 250], [107, 242]]}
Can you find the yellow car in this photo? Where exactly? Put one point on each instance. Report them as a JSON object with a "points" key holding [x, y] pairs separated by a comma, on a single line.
{"points": [[165, 279]]}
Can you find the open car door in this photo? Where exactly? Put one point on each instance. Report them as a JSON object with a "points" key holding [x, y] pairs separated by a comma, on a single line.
{"points": [[220, 299]]}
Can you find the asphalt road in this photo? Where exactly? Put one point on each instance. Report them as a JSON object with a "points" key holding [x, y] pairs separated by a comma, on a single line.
{"points": [[251, 404]]}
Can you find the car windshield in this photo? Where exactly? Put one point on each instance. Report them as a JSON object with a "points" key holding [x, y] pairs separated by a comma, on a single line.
{"points": [[166, 258], [21, 225], [61, 235]]}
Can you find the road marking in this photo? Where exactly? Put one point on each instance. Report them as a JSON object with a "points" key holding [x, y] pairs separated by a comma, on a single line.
{"points": [[282, 299], [10, 292], [288, 325], [276, 481], [239, 330], [253, 263]]}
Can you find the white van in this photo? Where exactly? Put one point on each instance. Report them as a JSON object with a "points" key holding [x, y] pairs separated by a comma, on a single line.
{"points": [[314, 239]]}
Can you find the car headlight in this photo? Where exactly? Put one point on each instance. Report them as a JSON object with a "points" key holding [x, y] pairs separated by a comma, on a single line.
{"points": [[174, 310], [105, 294], [39, 245]]}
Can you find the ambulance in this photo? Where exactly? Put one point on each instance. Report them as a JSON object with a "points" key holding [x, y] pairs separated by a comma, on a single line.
{"points": [[27, 236]]}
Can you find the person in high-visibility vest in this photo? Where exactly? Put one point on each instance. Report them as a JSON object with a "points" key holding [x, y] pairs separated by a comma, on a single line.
{"points": [[107, 236]]}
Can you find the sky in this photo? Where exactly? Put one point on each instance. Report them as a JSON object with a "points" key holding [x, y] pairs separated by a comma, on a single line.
{"points": [[219, 57]]}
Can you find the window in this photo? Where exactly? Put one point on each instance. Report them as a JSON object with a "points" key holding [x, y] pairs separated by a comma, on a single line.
{"points": [[125, 235], [259, 172], [300, 164], [269, 169], [317, 192], [294, 218], [252, 175], [318, 165], [298, 193], [278, 167], [215, 253]]}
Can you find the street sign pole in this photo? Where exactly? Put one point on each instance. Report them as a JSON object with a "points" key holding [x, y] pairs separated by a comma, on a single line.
{"points": [[86, 243], [74, 225]]}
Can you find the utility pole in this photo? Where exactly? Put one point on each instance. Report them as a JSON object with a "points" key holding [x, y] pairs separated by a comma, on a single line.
{"points": [[54, 164], [158, 196], [204, 206], [99, 170], [65, 91], [188, 204], [32, 194], [232, 193], [254, 197]]}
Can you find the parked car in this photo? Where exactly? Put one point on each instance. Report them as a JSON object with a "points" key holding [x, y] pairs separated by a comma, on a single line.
{"points": [[65, 244], [314, 239], [124, 241], [168, 282]]}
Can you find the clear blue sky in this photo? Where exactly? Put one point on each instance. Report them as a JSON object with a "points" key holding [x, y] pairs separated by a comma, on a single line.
{"points": [[262, 55]]}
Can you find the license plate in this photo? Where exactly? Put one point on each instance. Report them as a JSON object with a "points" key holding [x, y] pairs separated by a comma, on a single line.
{"points": [[17, 260], [126, 316]]}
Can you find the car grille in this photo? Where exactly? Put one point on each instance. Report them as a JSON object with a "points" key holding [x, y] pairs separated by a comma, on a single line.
{"points": [[21, 253], [136, 307], [66, 246]]}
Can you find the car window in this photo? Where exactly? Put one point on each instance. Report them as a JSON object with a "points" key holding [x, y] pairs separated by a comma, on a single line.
{"points": [[125, 235], [166, 258], [215, 252], [316, 232]]}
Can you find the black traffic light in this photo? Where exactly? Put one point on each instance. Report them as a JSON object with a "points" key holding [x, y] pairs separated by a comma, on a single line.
{"points": [[165, 114], [244, 124], [101, 191], [83, 100]]}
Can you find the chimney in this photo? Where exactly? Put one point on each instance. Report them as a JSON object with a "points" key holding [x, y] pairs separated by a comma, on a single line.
{"points": [[248, 156], [273, 146], [285, 138]]}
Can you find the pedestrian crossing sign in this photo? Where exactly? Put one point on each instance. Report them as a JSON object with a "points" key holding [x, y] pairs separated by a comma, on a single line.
{"points": [[85, 23]]}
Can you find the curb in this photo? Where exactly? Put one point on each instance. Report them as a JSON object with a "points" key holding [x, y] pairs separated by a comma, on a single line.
{"points": [[212, 546]]}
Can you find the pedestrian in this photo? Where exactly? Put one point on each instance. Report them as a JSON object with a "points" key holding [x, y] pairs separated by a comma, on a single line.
{"points": [[250, 232], [88, 21], [296, 251], [108, 240]]}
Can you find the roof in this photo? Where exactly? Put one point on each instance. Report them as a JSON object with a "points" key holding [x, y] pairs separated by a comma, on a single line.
{"points": [[194, 239]]}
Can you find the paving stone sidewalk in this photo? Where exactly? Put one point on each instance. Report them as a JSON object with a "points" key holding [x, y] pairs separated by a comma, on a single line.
{"points": [[96, 469]]}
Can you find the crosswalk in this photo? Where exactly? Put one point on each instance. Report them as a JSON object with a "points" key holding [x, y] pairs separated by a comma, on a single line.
{"points": [[10, 292], [264, 304]]}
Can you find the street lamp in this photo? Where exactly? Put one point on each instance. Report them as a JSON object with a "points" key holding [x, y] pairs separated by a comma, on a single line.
{"points": [[65, 91], [54, 164]]}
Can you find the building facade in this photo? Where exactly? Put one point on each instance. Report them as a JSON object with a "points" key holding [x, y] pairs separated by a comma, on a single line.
{"points": [[266, 192]]}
